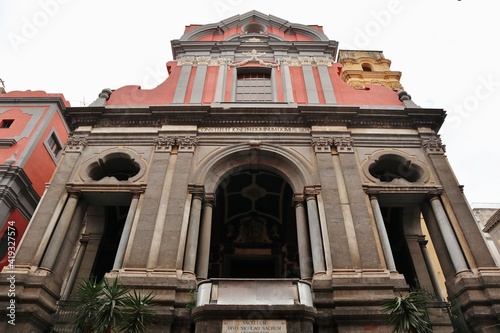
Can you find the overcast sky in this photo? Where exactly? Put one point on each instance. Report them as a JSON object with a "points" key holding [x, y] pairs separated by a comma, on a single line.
{"points": [[447, 50]]}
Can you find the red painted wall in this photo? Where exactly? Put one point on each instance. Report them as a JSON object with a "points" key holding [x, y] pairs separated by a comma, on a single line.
{"points": [[40, 165], [15, 227]]}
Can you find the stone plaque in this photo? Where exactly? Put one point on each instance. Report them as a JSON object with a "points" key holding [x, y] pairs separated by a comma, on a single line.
{"points": [[254, 326]]}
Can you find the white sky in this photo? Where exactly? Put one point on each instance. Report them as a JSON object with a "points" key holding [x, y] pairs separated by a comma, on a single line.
{"points": [[447, 51]]}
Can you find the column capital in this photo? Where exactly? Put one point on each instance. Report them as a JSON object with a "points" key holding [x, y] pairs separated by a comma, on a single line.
{"points": [[210, 199], [310, 192], [344, 144], [422, 241], [322, 144], [298, 198], [434, 195], [167, 143], [434, 145], [164, 143], [76, 144], [73, 194], [85, 238], [198, 191], [416, 238]]}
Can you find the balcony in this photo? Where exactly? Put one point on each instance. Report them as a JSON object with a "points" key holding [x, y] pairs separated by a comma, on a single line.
{"points": [[254, 292]]}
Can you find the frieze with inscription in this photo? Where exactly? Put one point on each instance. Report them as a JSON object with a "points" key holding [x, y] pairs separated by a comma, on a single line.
{"points": [[253, 129], [254, 326]]}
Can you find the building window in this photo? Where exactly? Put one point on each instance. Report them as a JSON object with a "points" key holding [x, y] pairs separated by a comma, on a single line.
{"points": [[366, 67], [54, 145], [254, 85], [6, 123]]}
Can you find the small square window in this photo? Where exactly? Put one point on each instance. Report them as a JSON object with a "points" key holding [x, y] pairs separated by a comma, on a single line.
{"points": [[54, 145], [6, 123]]}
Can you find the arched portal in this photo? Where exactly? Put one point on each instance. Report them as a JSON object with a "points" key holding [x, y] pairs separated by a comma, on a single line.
{"points": [[259, 206], [254, 233]]}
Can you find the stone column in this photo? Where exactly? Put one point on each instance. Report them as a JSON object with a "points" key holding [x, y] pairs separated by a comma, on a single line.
{"points": [[315, 234], [193, 233], [120, 253], [430, 269], [419, 265], [382, 232], [60, 232], [450, 240], [76, 268], [303, 243], [204, 245]]}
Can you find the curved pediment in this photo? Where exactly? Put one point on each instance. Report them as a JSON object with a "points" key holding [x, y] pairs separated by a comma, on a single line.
{"points": [[254, 22]]}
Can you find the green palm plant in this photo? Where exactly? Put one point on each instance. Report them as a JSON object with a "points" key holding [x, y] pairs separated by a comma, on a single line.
{"points": [[409, 313], [104, 307], [111, 303], [138, 314], [87, 298]]}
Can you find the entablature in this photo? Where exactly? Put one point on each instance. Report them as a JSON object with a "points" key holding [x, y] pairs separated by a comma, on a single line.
{"points": [[253, 114]]}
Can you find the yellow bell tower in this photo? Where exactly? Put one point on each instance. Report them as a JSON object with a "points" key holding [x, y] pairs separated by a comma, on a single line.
{"points": [[368, 67]]}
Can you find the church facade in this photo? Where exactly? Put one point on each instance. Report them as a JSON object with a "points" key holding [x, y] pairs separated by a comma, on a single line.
{"points": [[271, 183]]}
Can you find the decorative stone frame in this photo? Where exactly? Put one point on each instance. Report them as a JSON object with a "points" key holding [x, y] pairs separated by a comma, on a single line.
{"points": [[398, 156], [57, 140], [107, 155]]}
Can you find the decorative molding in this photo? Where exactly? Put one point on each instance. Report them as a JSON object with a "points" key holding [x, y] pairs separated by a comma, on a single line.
{"points": [[300, 61], [6, 143], [492, 222], [16, 190], [254, 129], [95, 169], [254, 57], [254, 40], [202, 60], [76, 144], [434, 146]]}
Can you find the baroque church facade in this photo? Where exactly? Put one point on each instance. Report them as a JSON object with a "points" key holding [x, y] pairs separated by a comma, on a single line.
{"points": [[282, 181]]}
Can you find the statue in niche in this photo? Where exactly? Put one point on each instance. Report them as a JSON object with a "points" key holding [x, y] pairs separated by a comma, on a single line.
{"points": [[253, 229]]}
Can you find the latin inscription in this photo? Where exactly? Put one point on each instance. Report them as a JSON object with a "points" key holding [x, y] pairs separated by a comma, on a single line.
{"points": [[254, 129], [254, 326]]}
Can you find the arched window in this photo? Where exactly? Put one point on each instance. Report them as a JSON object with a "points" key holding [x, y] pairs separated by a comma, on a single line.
{"points": [[367, 67]]}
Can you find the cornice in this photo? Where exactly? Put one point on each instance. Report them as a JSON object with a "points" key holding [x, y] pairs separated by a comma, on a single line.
{"points": [[240, 114], [34, 100], [492, 222], [17, 191]]}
